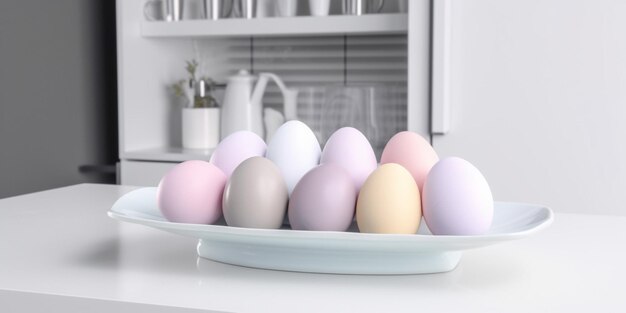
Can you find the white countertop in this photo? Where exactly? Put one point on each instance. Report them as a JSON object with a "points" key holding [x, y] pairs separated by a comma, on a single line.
{"points": [[60, 252]]}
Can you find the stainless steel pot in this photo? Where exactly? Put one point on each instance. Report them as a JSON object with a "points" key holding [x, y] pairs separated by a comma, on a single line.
{"points": [[360, 7]]}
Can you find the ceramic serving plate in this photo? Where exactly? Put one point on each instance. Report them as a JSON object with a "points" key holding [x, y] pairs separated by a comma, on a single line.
{"points": [[334, 252]]}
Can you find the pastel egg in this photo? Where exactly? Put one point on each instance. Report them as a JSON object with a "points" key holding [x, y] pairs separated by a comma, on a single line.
{"points": [[295, 150], [236, 148], [191, 192], [413, 152], [389, 202], [255, 195], [457, 199], [324, 199], [348, 148]]}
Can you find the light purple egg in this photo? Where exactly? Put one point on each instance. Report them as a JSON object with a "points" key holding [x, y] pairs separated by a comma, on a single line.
{"points": [[456, 199], [191, 192], [324, 199], [236, 148], [350, 149]]}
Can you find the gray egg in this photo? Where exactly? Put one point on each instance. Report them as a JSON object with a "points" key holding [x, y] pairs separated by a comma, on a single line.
{"points": [[256, 195]]}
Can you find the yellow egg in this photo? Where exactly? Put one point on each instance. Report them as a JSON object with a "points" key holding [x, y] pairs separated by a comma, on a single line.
{"points": [[389, 202]]}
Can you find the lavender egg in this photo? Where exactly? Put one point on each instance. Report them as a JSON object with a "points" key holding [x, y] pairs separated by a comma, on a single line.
{"points": [[457, 199], [236, 148], [324, 199], [350, 149]]}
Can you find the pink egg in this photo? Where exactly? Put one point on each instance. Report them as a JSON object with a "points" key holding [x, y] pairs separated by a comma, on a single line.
{"points": [[413, 152], [191, 192], [324, 199], [236, 148], [348, 148], [457, 199]]}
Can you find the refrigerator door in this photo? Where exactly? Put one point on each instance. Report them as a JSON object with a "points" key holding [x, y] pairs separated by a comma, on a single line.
{"points": [[537, 100]]}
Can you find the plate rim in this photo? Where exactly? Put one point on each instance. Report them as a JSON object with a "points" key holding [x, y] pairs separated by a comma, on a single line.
{"points": [[348, 236]]}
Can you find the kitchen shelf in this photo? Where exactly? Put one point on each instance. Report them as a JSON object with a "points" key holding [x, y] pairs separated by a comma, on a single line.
{"points": [[280, 26], [168, 154]]}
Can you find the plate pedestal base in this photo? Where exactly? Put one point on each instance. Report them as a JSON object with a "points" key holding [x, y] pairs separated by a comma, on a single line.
{"points": [[331, 261]]}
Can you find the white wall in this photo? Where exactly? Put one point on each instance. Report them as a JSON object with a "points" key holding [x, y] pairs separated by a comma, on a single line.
{"points": [[539, 100]]}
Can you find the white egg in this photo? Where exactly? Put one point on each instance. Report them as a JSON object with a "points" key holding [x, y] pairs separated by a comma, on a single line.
{"points": [[295, 150]]}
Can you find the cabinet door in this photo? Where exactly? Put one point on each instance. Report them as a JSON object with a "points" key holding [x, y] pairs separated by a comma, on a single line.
{"points": [[140, 173], [537, 92]]}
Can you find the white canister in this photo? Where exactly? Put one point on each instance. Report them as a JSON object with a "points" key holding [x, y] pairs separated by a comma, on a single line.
{"points": [[319, 7], [201, 128]]}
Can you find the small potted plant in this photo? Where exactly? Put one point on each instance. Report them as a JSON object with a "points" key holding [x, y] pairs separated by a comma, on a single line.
{"points": [[201, 113]]}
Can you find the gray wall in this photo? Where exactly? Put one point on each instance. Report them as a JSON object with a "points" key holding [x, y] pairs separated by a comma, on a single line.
{"points": [[57, 94]]}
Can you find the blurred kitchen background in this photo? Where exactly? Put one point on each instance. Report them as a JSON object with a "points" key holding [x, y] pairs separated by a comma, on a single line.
{"points": [[533, 92]]}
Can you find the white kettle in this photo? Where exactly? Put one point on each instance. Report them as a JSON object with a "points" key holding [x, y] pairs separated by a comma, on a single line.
{"points": [[242, 108]]}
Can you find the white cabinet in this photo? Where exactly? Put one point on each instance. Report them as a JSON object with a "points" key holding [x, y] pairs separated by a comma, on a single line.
{"points": [[538, 100], [142, 173], [387, 48], [535, 88]]}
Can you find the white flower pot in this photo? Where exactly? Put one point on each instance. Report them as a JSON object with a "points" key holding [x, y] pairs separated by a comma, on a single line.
{"points": [[201, 128]]}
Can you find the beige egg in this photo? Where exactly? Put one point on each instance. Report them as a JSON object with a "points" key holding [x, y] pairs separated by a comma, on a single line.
{"points": [[389, 202], [255, 195]]}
